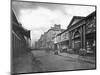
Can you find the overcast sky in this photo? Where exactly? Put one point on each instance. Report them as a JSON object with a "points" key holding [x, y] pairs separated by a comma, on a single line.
{"points": [[39, 17]]}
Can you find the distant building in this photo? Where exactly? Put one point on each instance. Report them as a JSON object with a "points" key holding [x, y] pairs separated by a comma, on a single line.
{"points": [[36, 45], [42, 41], [47, 39], [51, 33], [61, 41]]}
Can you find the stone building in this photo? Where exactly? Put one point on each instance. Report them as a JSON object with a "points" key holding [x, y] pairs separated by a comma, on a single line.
{"points": [[51, 33], [42, 41], [61, 41], [47, 39], [82, 34]]}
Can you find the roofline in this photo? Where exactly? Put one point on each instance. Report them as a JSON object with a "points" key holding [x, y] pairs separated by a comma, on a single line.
{"points": [[73, 19], [61, 32], [16, 35], [84, 18]]}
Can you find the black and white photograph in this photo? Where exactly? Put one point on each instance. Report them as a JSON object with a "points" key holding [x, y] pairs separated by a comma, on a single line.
{"points": [[52, 37]]}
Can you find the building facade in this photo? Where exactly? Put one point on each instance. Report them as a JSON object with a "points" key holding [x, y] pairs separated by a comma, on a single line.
{"points": [[47, 39], [61, 41], [19, 38]]}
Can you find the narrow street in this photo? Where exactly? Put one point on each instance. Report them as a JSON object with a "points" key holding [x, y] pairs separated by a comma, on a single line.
{"points": [[43, 61], [47, 61], [46, 38]]}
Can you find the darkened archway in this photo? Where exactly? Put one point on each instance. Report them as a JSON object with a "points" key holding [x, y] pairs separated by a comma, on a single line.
{"points": [[76, 42]]}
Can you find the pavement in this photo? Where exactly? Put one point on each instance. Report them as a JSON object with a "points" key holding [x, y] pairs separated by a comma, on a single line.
{"points": [[25, 64], [43, 61], [51, 62], [83, 58]]}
